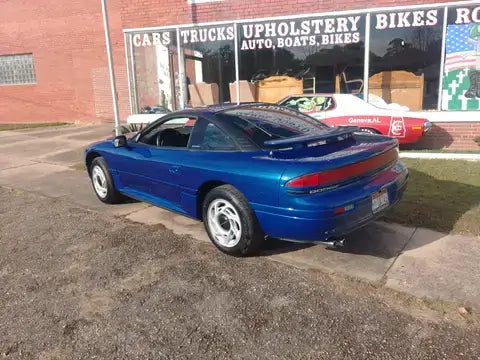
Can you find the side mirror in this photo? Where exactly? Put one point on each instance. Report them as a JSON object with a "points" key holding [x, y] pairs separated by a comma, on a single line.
{"points": [[120, 141]]}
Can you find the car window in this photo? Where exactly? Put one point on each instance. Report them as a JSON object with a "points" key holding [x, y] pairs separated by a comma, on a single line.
{"points": [[207, 136], [259, 123], [308, 104], [174, 132]]}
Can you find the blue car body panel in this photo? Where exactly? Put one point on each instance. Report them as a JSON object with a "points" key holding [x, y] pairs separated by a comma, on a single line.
{"points": [[173, 177]]}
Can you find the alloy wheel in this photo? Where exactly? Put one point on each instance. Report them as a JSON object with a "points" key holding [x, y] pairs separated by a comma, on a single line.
{"points": [[224, 223]]}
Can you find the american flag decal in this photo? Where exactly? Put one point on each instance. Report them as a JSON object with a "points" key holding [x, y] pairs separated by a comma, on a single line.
{"points": [[459, 48], [460, 69]]}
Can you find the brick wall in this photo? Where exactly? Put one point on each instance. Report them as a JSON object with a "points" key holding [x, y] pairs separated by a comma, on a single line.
{"points": [[453, 135], [145, 13], [68, 46]]}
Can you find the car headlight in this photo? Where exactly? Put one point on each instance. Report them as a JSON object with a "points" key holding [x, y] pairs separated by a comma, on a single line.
{"points": [[427, 125]]}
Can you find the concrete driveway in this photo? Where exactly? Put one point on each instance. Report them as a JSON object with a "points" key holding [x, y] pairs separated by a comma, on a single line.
{"points": [[417, 261]]}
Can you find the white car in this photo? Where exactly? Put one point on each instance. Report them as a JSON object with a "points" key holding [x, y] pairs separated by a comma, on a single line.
{"points": [[348, 109]]}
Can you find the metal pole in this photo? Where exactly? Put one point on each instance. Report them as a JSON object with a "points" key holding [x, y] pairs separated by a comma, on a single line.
{"points": [[237, 80], [128, 73], [442, 59], [134, 74], [366, 58], [181, 72], [110, 67]]}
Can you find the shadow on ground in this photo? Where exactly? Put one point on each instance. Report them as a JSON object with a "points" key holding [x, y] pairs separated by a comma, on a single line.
{"points": [[436, 138], [376, 239]]}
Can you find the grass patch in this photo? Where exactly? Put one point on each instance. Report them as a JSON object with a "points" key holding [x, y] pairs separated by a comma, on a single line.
{"points": [[4, 127], [442, 195]]}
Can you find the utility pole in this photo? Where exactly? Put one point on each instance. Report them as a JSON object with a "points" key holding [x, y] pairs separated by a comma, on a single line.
{"points": [[110, 68]]}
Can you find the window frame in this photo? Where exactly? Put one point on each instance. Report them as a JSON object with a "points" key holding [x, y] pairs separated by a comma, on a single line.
{"points": [[136, 139], [32, 63], [208, 121]]}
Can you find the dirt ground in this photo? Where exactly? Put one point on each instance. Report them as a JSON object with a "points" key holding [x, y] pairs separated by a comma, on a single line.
{"points": [[77, 284]]}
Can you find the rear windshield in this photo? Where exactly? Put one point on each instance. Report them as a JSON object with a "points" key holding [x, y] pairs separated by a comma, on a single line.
{"points": [[261, 123]]}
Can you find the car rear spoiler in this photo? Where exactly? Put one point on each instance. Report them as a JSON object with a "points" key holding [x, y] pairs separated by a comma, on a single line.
{"points": [[334, 134]]}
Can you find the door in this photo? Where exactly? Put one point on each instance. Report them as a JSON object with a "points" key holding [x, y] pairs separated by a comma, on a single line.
{"points": [[150, 165]]}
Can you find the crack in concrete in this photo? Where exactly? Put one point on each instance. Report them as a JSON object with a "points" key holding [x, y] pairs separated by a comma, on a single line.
{"points": [[383, 280], [19, 166]]}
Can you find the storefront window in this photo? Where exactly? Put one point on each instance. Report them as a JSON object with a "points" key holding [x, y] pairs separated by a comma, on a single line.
{"points": [[461, 72], [405, 57], [209, 64], [316, 55], [154, 71], [309, 55]]}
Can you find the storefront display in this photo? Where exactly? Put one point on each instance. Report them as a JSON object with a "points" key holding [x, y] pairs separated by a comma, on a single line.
{"points": [[411, 58], [312, 55]]}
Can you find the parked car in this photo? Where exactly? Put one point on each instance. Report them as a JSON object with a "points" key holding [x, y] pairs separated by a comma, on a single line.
{"points": [[146, 116], [348, 109], [253, 170]]}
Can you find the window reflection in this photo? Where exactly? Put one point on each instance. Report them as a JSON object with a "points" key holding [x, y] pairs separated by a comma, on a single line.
{"points": [[313, 56], [405, 53], [155, 68], [209, 63]]}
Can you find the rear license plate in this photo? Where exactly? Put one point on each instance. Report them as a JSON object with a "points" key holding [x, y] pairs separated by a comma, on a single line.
{"points": [[380, 201]]}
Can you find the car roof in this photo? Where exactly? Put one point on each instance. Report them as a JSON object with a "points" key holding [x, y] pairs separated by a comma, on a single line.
{"points": [[214, 109]]}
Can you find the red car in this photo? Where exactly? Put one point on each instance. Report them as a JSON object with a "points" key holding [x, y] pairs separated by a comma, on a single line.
{"points": [[347, 109]]}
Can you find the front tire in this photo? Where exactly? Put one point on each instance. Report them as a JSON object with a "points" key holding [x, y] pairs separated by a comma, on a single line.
{"points": [[230, 222], [102, 182]]}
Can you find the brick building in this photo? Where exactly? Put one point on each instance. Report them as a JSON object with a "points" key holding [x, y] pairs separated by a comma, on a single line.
{"points": [[415, 53]]}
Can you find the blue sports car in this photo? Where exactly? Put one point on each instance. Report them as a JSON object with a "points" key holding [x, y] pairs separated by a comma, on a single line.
{"points": [[253, 170]]}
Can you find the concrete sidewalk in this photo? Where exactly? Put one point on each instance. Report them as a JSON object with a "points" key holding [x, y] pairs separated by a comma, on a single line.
{"points": [[418, 261]]}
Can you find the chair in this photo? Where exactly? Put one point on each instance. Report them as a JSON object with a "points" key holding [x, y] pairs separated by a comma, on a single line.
{"points": [[353, 81]]}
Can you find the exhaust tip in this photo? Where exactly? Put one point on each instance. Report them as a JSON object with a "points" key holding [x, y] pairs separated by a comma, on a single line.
{"points": [[335, 242], [340, 242]]}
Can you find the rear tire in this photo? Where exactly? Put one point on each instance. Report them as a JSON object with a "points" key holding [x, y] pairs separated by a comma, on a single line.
{"points": [[230, 222], [102, 182]]}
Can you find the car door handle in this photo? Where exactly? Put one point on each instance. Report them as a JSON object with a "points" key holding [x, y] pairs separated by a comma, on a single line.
{"points": [[174, 170]]}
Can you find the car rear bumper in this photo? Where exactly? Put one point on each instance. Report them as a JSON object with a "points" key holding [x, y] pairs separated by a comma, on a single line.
{"points": [[322, 224]]}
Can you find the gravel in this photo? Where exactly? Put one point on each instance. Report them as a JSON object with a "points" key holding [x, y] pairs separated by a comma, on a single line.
{"points": [[76, 284]]}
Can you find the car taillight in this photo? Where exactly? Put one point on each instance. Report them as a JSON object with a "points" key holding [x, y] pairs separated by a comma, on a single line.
{"points": [[327, 177], [316, 179], [304, 181]]}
